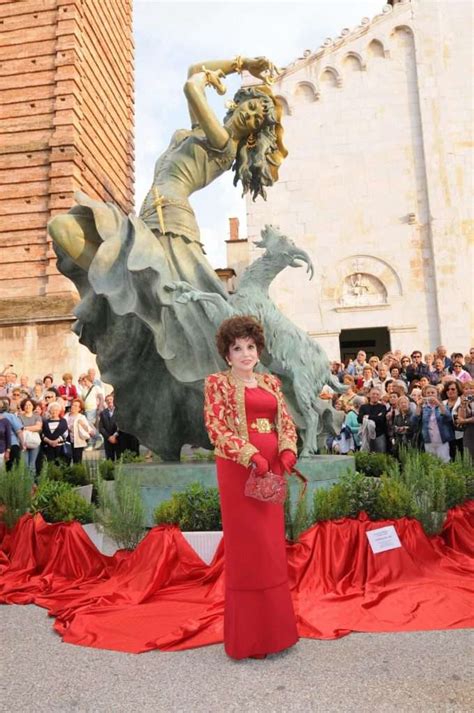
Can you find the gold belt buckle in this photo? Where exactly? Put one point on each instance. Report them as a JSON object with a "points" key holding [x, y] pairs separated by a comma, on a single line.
{"points": [[262, 425]]}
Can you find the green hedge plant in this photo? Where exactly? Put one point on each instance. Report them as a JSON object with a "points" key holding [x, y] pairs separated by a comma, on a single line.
{"points": [[374, 464], [67, 506], [15, 492], [120, 510], [196, 508]]}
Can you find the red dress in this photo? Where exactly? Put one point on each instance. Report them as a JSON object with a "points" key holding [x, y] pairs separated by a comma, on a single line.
{"points": [[259, 616]]}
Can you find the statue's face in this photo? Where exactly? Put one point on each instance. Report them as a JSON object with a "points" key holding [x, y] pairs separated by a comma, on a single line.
{"points": [[247, 118]]}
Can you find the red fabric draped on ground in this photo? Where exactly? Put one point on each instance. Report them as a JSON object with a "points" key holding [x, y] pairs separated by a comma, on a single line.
{"points": [[163, 596]]}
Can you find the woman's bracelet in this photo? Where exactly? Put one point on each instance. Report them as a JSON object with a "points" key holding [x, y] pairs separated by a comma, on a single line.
{"points": [[238, 64]]}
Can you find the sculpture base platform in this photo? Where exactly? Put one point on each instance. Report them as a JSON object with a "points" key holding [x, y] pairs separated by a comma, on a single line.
{"points": [[159, 481]]}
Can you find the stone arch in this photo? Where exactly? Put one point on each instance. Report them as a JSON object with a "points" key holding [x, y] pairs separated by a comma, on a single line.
{"points": [[305, 91], [375, 48], [330, 77], [364, 280], [403, 36], [353, 62], [283, 103]]}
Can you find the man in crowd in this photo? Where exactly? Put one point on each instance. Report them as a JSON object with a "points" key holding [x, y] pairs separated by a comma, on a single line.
{"points": [[93, 398], [442, 353], [356, 368], [3, 386], [108, 429], [375, 411], [12, 381], [417, 368]]}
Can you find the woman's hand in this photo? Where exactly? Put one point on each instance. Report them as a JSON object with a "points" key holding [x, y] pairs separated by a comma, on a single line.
{"points": [[261, 67], [287, 460], [260, 464]]}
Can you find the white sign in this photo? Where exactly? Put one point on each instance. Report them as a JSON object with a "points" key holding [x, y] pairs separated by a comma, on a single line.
{"points": [[382, 539]]}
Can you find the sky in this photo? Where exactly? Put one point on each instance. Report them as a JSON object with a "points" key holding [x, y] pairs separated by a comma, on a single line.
{"points": [[169, 36]]}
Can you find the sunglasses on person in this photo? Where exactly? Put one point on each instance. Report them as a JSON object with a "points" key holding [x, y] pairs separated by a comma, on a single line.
{"points": [[47, 398]]}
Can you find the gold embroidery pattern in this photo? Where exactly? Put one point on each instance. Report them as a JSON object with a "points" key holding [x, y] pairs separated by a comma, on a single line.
{"points": [[226, 419]]}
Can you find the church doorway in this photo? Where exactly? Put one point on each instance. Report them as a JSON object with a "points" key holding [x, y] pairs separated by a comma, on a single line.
{"points": [[375, 340]]}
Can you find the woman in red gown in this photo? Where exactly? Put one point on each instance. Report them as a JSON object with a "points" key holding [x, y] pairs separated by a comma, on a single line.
{"points": [[249, 425]]}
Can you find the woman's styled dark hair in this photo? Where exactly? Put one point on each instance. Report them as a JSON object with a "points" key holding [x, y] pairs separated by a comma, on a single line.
{"points": [[260, 154], [241, 327], [24, 402], [457, 384], [80, 402]]}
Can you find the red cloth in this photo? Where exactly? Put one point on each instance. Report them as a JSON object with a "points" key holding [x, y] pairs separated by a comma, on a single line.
{"points": [[163, 596], [258, 616]]}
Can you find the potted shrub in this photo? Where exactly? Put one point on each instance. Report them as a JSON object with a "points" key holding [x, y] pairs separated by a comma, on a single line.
{"points": [[196, 510]]}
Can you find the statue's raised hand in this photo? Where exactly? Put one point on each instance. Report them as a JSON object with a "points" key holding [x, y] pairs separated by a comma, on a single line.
{"points": [[262, 68], [214, 79]]}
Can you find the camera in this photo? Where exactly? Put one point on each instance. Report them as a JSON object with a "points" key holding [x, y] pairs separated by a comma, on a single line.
{"points": [[470, 398]]}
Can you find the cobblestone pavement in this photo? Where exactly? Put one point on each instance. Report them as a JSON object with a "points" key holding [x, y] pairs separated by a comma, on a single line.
{"points": [[423, 671]]}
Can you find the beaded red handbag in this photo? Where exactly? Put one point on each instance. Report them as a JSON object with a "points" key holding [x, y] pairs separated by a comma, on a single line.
{"points": [[271, 487]]}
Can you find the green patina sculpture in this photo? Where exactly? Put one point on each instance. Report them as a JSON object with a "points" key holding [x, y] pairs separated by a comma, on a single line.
{"points": [[153, 341]]}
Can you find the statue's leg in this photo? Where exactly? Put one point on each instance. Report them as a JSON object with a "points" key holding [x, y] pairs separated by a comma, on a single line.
{"points": [[77, 236], [311, 419]]}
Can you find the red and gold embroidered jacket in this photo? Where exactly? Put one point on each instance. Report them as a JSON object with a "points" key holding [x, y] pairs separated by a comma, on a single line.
{"points": [[226, 420]]}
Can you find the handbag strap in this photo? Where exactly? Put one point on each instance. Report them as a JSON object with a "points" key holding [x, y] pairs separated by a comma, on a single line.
{"points": [[302, 479]]}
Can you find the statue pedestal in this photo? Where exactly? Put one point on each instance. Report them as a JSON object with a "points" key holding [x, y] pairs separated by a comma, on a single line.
{"points": [[159, 481]]}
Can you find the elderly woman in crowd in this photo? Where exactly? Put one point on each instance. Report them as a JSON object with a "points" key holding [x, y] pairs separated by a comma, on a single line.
{"points": [[32, 427], [404, 425], [404, 364], [55, 433], [80, 430], [459, 373], [16, 397], [37, 391], [351, 424], [48, 382], [429, 361], [348, 396], [67, 390], [451, 398], [435, 422], [374, 362]]}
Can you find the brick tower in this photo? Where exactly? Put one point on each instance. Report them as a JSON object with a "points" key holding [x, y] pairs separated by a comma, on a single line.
{"points": [[66, 82]]}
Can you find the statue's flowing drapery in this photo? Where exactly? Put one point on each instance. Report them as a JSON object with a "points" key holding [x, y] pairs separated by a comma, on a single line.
{"points": [[154, 350]]}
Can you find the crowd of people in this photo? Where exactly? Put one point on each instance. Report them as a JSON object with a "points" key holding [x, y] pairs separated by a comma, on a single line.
{"points": [[48, 421], [425, 401]]}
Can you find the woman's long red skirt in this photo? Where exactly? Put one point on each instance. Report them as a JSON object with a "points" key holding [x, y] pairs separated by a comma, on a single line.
{"points": [[259, 617]]}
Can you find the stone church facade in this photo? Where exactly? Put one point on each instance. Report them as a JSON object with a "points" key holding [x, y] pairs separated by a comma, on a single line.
{"points": [[377, 187], [66, 85]]}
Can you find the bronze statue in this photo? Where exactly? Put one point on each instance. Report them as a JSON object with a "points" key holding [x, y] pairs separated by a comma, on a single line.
{"points": [[154, 348]]}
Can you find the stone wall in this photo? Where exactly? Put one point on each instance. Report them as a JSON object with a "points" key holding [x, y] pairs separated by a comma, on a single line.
{"points": [[67, 124], [376, 185]]}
